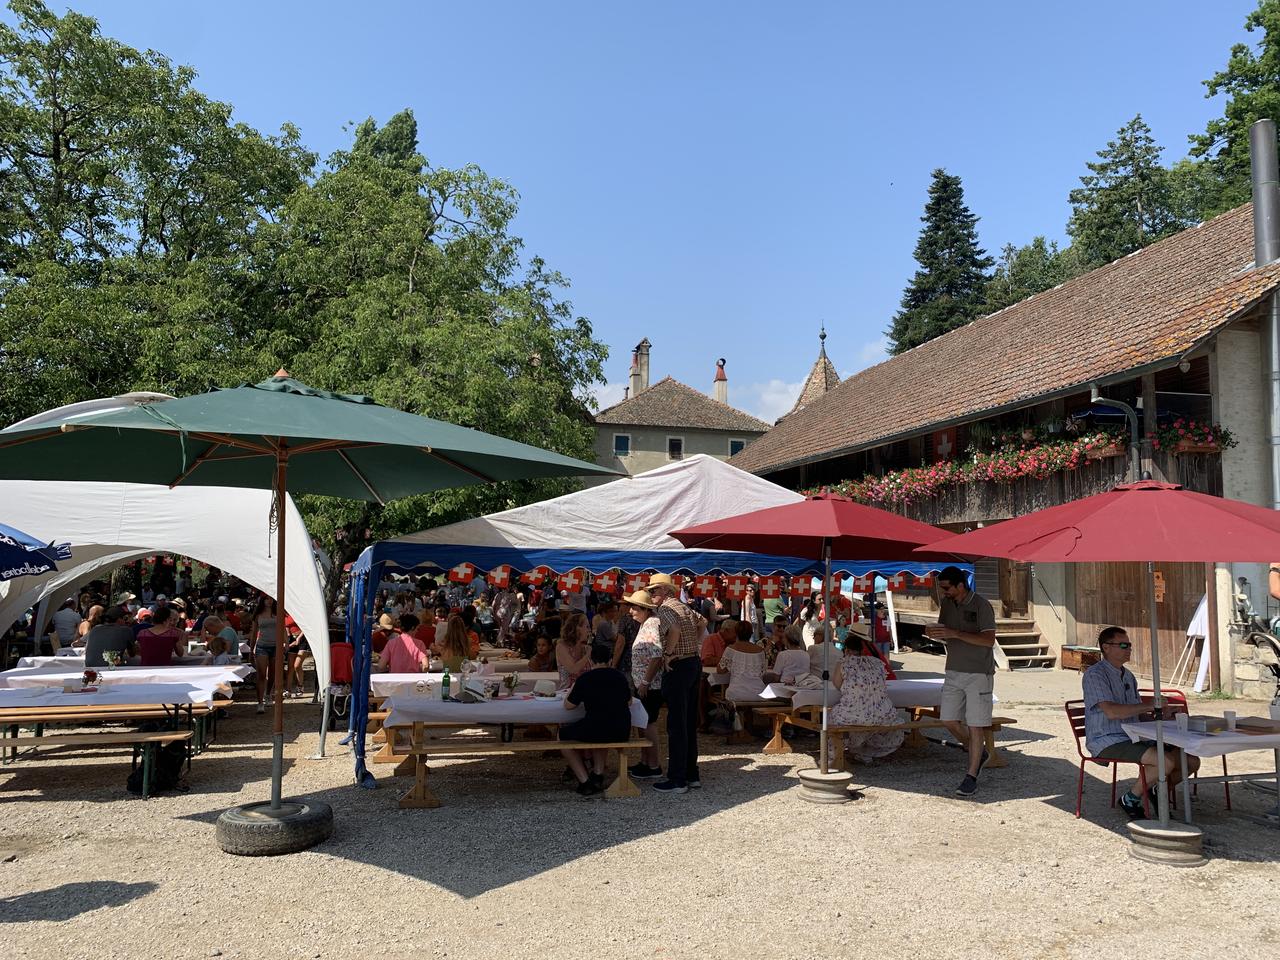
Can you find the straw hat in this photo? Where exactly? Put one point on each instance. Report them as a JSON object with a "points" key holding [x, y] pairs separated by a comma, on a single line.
{"points": [[386, 622], [662, 580], [640, 598]]}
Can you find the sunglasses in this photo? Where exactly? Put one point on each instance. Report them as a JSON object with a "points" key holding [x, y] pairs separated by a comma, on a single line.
{"points": [[1122, 644]]}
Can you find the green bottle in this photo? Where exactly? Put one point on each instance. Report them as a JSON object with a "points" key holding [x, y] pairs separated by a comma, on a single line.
{"points": [[444, 684]]}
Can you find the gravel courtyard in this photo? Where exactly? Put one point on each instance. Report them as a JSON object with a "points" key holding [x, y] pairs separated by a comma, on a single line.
{"points": [[515, 865]]}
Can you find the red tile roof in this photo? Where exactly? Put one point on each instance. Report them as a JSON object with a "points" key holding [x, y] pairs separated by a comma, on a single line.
{"points": [[1151, 306]]}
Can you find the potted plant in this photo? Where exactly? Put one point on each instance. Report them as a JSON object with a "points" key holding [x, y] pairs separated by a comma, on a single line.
{"points": [[510, 682], [1185, 435], [1104, 444]]}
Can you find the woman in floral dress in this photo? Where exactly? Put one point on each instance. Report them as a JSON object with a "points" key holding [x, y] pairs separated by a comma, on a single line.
{"points": [[864, 701]]}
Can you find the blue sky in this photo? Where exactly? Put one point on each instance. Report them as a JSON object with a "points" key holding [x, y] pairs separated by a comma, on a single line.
{"points": [[723, 176]]}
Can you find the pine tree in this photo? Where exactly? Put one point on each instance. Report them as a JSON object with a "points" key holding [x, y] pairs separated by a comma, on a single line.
{"points": [[947, 291], [1251, 81], [1024, 271], [1124, 202]]}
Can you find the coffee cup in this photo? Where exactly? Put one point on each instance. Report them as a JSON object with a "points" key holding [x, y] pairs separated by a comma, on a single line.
{"points": [[1230, 717], [1181, 720]]}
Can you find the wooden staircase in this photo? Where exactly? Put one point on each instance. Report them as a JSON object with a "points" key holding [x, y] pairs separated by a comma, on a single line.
{"points": [[1019, 645]]}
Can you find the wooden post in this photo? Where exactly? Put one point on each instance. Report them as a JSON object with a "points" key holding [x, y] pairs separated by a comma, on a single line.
{"points": [[1211, 611], [1149, 426]]}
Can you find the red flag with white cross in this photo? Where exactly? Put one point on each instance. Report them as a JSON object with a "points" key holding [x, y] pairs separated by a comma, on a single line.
{"points": [[801, 586], [899, 581], [605, 582], [735, 587], [462, 573], [926, 581], [500, 576], [864, 583], [703, 586], [770, 587], [637, 581], [573, 580], [536, 575]]}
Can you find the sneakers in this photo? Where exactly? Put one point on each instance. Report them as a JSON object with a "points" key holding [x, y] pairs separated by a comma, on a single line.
{"points": [[695, 784], [1132, 807], [262, 707], [667, 786], [590, 788], [968, 786], [642, 771]]}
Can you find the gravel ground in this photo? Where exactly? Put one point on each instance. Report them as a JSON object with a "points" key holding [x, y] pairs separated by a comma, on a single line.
{"points": [[515, 865]]}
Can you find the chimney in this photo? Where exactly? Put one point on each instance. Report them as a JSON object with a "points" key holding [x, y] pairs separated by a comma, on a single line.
{"points": [[722, 383], [641, 379], [634, 379], [1266, 248]]}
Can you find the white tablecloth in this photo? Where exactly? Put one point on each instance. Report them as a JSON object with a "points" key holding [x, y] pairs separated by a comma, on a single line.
{"points": [[393, 684], [206, 676], [1203, 744], [409, 708], [915, 692], [113, 695], [77, 663]]}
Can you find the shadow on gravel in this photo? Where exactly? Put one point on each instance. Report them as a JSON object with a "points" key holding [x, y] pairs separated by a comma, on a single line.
{"points": [[502, 822], [70, 900], [88, 780]]}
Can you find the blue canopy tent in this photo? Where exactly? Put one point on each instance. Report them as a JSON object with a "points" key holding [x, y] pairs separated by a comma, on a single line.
{"points": [[620, 525]]}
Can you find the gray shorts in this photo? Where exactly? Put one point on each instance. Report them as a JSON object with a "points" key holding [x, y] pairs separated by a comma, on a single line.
{"points": [[1128, 750], [967, 697]]}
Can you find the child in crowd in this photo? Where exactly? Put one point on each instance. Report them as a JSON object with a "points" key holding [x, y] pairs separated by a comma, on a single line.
{"points": [[544, 658]]}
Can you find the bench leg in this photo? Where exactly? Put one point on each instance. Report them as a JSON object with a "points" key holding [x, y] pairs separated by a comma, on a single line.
{"points": [[997, 759], [148, 768], [405, 767], [388, 748], [623, 786], [778, 744], [420, 796]]}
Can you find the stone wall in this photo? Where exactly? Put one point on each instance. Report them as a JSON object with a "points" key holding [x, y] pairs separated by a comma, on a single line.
{"points": [[1254, 677]]}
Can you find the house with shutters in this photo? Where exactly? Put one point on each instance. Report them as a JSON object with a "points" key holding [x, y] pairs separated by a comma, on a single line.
{"points": [[1010, 414], [657, 424]]}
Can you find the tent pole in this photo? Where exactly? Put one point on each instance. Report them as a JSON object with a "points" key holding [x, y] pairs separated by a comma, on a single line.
{"points": [[277, 730], [826, 646], [1162, 799]]}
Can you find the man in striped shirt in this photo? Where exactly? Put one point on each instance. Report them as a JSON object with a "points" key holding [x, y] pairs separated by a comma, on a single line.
{"points": [[681, 631], [1110, 698]]}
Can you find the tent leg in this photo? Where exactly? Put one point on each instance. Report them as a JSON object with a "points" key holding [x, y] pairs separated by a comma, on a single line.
{"points": [[277, 738], [823, 749]]}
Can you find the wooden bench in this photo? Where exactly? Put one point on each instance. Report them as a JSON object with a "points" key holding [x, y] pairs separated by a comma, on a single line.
{"points": [[413, 758], [749, 710], [809, 717], [201, 717], [144, 743]]}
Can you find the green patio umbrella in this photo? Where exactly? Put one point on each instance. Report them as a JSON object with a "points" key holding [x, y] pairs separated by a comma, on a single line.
{"points": [[281, 435]]}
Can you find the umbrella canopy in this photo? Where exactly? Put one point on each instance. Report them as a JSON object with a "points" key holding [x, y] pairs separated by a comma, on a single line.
{"points": [[852, 530], [22, 555], [337, 445], [1143, 521], [1146, 522]]}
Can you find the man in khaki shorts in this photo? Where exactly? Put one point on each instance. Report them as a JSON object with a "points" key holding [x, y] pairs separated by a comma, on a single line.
{"points": [[968, 624]]}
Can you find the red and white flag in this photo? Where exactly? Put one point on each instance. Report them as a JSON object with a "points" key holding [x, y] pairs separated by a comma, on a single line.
{"points": [[926, 581], [801, 586], [703, 586], [899, 581], [535, 576], [770, 587], [462, 573], [637, 581], [864, 584], [735, 587], [605, 582], [500, 576], [573, 580]]}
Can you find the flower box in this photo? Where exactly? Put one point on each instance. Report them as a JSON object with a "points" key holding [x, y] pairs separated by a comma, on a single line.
{"points": [[1102, 453], [1195, 446]]}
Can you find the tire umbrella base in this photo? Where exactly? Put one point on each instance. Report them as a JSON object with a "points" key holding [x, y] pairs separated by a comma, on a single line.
{"points": [[830, 787], [256, 830]]}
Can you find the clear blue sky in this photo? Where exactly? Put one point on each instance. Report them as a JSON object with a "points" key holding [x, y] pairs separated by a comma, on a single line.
{"points": [[721, 177]]}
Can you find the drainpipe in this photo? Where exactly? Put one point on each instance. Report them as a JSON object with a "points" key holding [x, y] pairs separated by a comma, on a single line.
{"points": [[1266, 248]]}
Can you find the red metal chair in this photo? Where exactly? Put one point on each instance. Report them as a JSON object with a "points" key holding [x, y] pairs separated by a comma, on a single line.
{"points": [[1177, 702], [341, 656], [1075, 717]]}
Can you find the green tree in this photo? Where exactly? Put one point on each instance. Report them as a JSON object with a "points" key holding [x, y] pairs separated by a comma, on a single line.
{"points": [[1024, 271], [1124, 202], [946, 291], [1251, 82]]}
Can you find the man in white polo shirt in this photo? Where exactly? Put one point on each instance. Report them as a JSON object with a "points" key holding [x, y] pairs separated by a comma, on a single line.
{"points": [[968, 624]]}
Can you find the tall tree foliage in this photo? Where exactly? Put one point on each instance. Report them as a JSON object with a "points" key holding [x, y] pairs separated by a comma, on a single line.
{"points": [[946, 291], [1251, 82], [1124, 202], [1024, 271]]}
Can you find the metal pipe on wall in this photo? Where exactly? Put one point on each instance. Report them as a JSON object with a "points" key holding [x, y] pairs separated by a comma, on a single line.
{"points": [[1265, 172]]}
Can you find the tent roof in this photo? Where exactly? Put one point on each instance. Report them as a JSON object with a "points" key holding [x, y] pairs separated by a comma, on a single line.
{"points": [[111, 523]]}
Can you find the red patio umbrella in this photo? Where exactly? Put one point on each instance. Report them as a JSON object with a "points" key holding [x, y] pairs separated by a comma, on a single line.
{"points": [[1141, 522], [823, 526]]}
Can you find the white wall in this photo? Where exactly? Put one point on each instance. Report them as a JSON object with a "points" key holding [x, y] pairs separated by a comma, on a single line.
{"points": [[1049, 602], [649, 445]]}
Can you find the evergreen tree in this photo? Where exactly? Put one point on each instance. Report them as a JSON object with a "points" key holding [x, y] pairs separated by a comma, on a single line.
{"points": [[1024, 271], [1124, 202], [947, 291], [1251, 81]]}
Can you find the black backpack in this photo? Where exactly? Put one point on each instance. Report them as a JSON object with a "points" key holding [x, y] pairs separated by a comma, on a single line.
{"points": [[169, 760]]}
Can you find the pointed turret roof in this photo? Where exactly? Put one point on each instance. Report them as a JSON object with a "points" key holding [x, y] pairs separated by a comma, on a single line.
{"points": [[822, 377]]}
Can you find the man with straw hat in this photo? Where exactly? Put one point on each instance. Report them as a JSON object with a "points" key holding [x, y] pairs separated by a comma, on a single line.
{"points": [[681, 631]]}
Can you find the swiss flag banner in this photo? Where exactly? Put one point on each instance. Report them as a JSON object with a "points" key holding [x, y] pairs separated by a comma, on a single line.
{"points": [[605, 582], [535, 576], [801, 586], [500, 576], [462, 573], [926, 581], [899, 581], [864, 584], [735, 587], [637, 581], [678, 580], [770, 587], [703, 586], [572, 581]]}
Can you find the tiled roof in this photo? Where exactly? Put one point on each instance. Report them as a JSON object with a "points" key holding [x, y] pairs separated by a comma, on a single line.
{"points": [[821, 379], [1146, 308], [670, 403]]}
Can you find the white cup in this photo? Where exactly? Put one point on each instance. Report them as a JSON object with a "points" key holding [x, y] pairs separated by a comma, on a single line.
{"points": [[1181, 721], [1230, 717], [1275, 710]]}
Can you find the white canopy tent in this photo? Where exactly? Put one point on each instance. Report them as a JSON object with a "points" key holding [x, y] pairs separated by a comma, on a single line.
{"points": [[112, 523]]}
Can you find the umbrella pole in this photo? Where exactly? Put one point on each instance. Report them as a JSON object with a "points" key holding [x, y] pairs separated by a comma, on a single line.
{"points": [[277, 729], [826, 646], [1162, 799]]}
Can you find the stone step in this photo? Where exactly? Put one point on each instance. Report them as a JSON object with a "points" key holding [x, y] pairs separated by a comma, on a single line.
{"points": [[1032, 660]]}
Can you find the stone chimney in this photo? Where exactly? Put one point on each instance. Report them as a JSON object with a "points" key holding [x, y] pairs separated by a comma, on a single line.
{"points": [[633, 380], [722, 383], [640, 366]]}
